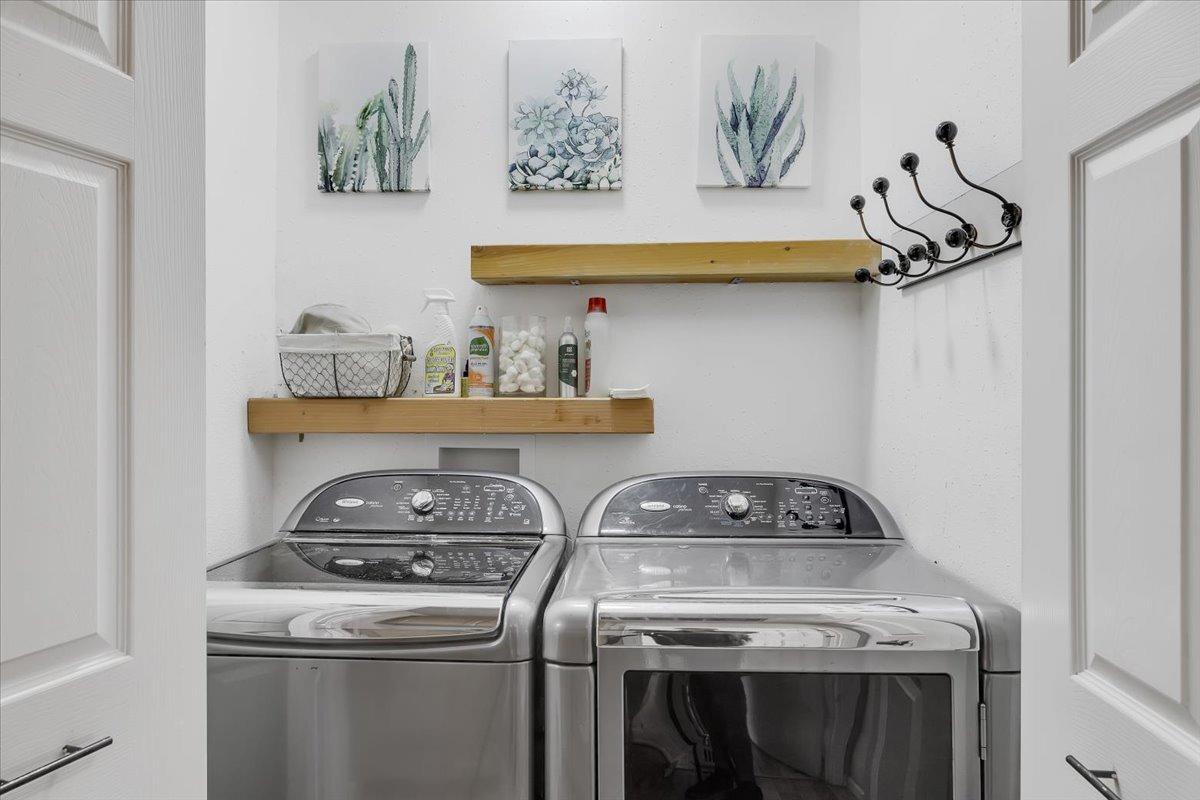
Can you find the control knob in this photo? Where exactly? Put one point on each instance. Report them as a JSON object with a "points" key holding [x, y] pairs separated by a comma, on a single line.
{"points": [[736, 505], [423, 501], [421, 565]]}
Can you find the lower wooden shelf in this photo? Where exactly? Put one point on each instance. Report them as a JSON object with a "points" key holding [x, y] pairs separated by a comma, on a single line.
{"points": [[450, 415]]}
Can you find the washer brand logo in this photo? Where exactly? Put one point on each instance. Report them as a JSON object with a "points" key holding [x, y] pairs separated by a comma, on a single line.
{"points": [[655, 505], [349, 502]]}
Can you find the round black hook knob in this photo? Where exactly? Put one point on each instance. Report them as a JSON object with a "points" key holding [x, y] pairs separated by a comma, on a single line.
{"points": [[909, 162], [880, 186], [917, 252], [887, 267], [858, 202], [946, 132], [862, 275], [956, 238], [1011, 217]]}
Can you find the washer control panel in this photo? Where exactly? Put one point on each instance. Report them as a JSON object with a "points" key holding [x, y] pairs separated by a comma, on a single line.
{"points": [[716, 505], [423, 503], [428, 563]]}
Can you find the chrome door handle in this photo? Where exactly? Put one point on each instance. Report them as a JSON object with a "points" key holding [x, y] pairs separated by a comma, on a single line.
{"points": [[70, 754], [1093, 776]]}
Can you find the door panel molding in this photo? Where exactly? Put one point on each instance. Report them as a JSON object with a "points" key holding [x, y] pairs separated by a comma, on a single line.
{"points": [[1163, 698], [69, 181], [1105, 90], [49, 89], [96, 30], [1091, 20]]}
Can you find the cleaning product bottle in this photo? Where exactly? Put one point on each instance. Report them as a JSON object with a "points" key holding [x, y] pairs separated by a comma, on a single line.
{"points": [[440, 366], [481, 355], [568, 361], [597, 358]]}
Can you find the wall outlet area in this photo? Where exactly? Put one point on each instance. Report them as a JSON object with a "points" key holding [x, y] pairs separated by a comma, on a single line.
{"points": [[481, 459]]}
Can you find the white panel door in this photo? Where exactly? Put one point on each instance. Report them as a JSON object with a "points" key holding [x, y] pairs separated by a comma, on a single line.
{"points": [[1111, 492], [101, 387]]}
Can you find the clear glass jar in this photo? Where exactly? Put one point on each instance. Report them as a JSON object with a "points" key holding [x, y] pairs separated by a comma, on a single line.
{"points": [[521, 360]]}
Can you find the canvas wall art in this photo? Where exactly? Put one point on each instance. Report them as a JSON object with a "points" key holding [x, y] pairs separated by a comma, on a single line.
{"points": [[756, 111], [564, 100], [373, 126]]}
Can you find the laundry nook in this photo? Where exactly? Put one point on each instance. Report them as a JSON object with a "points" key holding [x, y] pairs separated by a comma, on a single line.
{"points": [[612, 400]]}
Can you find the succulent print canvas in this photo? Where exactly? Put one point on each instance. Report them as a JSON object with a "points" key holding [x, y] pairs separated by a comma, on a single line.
{"points": [[756, 111], [373, 124], [564, 114]]}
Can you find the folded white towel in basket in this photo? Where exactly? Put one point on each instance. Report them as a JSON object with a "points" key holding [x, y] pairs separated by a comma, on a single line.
{"points": [[330, 318]]}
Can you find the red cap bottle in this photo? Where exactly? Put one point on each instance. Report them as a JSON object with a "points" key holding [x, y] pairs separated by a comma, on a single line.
{"points": [[597, 304]]}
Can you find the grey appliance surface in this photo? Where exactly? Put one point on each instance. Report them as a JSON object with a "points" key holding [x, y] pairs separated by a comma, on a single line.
{"points": [[570, 735], [777, 504], [1002, 766], [794, 570], [335, 729], [463, 503], [361, 571], [658, 581], [383, 646]]}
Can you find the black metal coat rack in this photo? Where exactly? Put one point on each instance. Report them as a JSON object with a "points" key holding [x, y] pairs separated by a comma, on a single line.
{"points": [[963, 236]]}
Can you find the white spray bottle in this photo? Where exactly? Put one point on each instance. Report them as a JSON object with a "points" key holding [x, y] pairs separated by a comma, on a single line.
{"points": [[440, 367]]}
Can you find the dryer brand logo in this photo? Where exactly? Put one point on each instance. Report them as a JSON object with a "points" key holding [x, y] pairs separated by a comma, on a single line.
{"points": [[348, 502]]}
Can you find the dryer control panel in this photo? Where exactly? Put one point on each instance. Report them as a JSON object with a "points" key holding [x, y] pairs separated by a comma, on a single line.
{"points": [[421, 503], [718, 505]]}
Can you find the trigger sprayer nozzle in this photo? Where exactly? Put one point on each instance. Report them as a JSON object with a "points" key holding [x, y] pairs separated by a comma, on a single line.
{"points": [[437, 296]]}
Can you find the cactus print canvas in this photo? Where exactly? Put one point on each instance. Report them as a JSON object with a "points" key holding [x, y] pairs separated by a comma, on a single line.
{"points": [[756, 111], [373, 118], [564, 114]]}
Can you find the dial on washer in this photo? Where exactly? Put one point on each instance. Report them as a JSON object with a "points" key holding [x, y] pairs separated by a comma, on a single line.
{"points": [[423, 501], [421, 565], [736, 505]]}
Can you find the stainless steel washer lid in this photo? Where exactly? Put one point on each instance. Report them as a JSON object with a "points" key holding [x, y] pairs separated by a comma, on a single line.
{"points": [[423, 564], [418, 589]]}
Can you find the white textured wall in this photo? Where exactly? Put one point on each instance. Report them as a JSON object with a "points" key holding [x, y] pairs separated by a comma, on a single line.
{"points": [[242, 65], [943, 363], [747, 376], [915, 395]]}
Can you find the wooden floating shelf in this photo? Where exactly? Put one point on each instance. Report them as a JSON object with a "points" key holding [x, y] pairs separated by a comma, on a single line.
{"points": [[685, 262], [450, 415]]}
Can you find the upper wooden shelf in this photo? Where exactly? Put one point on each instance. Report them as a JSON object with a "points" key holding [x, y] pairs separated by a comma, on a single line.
{"points": [[683, 262], [450, 415]]}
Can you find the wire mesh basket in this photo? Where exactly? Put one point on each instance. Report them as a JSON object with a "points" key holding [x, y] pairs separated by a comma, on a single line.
{"points": [[345, 364]]}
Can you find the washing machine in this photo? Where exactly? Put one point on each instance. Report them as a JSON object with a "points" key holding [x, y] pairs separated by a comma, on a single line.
{"points": [[383, 645], [770, 635]]}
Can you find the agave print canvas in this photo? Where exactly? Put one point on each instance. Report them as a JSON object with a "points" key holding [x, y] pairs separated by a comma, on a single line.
{"points": [[564, 100], [373, 123], [756, 111]]}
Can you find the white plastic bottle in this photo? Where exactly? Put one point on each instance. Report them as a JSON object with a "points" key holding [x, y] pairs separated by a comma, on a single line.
{"points": [[440, 367], [481, 355], [597, 354]]}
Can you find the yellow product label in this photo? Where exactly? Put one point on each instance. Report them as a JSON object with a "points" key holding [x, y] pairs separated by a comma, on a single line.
{"points": [[440, 366]]}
